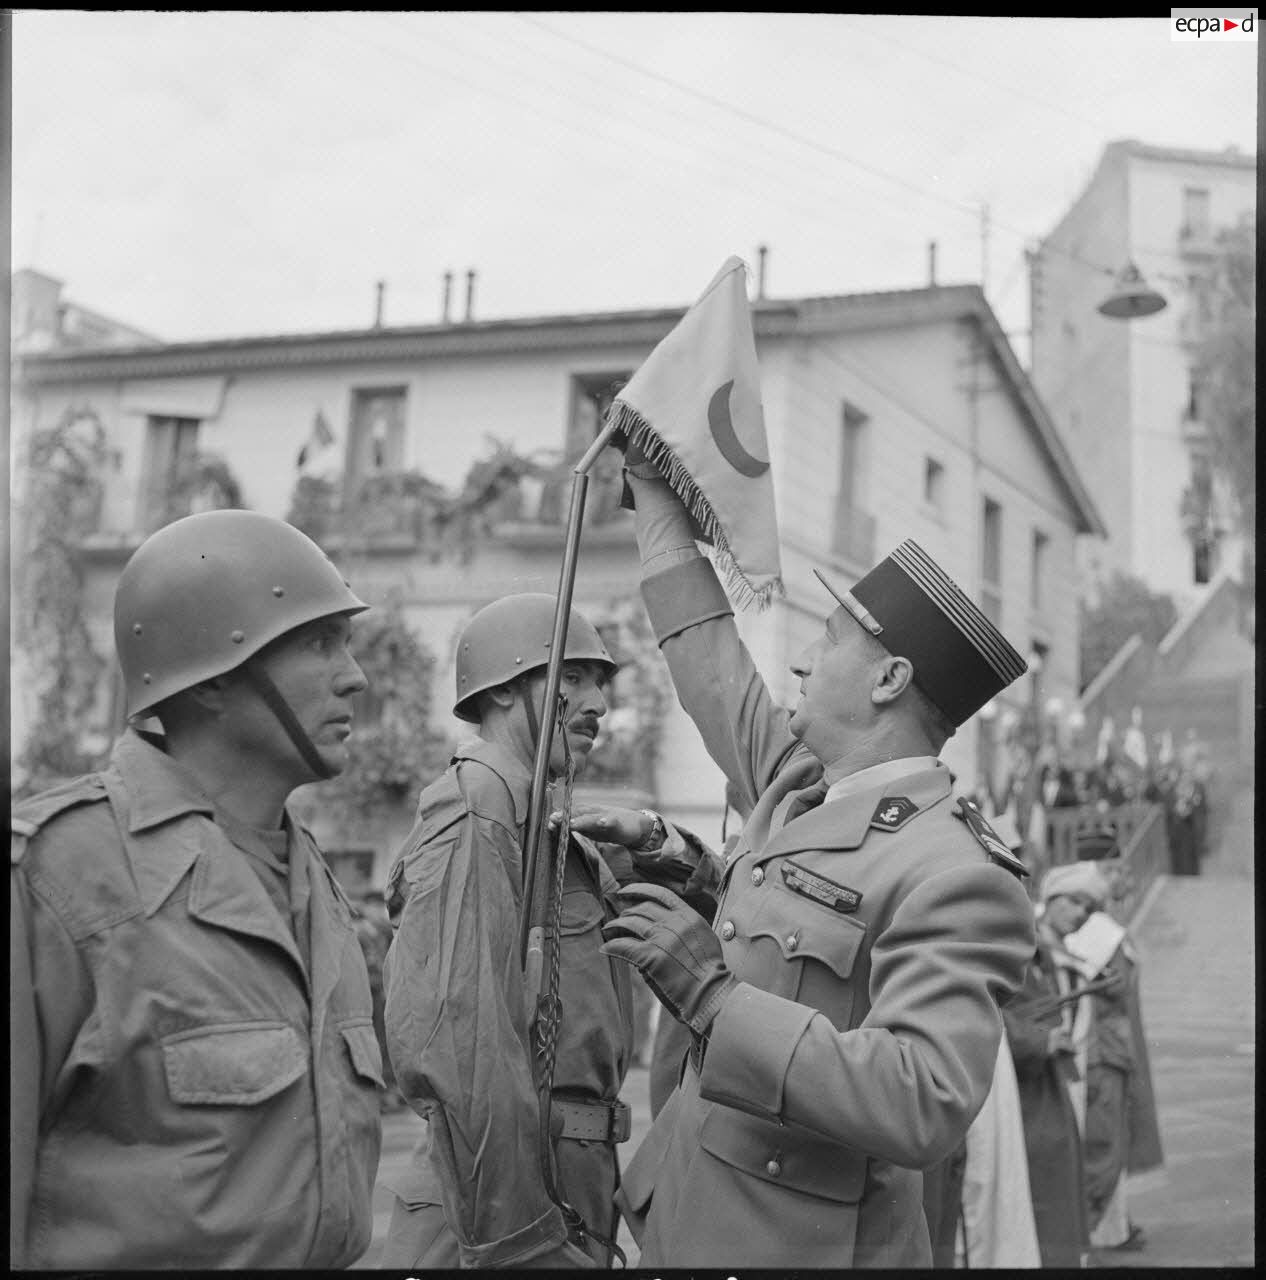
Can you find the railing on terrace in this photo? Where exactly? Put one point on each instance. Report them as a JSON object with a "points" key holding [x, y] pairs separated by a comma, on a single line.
{"points": [[1141, 836]]}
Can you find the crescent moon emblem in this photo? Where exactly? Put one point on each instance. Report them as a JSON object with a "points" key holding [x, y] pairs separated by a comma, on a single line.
{"points": [[722, 427]]}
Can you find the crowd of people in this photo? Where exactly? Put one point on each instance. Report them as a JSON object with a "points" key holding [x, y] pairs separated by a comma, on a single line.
{"points": [[867, 1020], [1071, 1112], [1041, 783]]}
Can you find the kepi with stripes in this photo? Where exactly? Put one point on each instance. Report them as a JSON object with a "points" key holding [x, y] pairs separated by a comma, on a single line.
{"points": [[917, 611]]}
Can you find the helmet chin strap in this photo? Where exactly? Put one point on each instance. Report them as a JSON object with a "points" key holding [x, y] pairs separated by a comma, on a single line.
{"points": [[263, 684], [533, 717]]}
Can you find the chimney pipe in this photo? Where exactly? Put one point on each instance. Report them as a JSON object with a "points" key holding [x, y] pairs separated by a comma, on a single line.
{"points": [[382, 285], [470, 294], [448, 296], [761, 251], [931, 264]]}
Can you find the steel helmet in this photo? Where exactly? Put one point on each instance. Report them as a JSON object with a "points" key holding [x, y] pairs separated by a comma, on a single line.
{"points": [[204, 594], [511, 637]]}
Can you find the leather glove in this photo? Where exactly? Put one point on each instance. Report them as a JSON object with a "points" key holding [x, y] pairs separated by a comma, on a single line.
{"points": [[636, 465], [676, 952]]}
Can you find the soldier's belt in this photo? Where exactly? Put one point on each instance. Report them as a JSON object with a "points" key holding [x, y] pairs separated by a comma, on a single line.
{"points": [[592, 1121]]}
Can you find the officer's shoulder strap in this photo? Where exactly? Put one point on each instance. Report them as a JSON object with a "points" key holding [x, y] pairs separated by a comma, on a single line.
{"points": [[28, 817], [988, 839]]}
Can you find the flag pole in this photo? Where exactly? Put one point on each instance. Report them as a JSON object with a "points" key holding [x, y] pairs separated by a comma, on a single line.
{"points": [[530, 934]]}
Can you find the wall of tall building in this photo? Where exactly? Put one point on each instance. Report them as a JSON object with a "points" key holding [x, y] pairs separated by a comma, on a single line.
{"points": [[1120, 390]]}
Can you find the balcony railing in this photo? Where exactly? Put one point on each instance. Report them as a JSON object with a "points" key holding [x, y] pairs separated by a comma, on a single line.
{"points": [[1141, 838]]}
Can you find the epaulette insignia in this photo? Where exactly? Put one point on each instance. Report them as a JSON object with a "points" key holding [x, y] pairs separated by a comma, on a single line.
{"points": [[893, 812], [988, 838]]}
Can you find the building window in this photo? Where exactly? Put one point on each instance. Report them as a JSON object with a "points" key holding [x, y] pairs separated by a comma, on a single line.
{"points": [[375, 442], [1195, 213], [991, 561], [933, 483], [1039, 654], [1203, 555], [589, 403], [854, 525], [591, 396], [1037, 577], [1193, 396], [171, 456]]}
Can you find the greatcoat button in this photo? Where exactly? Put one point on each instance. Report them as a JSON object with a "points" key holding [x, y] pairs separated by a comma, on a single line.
{"points": [[727, 931], [774, 1169], [792, 942], [758, 876]]}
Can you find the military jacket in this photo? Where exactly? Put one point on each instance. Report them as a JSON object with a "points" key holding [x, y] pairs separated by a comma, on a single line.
{"points": [[458, 1013], [188, 1090], [873, 938]]}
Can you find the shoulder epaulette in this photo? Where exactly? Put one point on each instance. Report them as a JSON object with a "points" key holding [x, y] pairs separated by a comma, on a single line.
{"points": [[30, 815], [988, 838], [476, 787]]}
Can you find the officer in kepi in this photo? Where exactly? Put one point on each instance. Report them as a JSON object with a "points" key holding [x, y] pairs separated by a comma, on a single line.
{"points": [[193, 1068], [460, 1013], [844, 1011]]}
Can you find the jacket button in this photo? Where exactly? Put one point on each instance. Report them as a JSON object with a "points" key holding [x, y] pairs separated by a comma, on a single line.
{"points": [[792, 942], [774, 1169], [727, 931], [758, 876]]}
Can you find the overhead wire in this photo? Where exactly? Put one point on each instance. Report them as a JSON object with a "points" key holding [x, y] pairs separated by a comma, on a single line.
{"points": [[683, 139], [708, 157], [793, 135], [780, 193]]}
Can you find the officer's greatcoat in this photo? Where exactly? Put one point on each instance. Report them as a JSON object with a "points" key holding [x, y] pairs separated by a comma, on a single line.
{"points": [[193, 1085], [873, 938]]}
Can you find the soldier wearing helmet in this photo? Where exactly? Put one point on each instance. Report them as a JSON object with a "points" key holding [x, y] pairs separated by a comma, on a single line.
{"points": [[194, 1066], [459, 1014]]}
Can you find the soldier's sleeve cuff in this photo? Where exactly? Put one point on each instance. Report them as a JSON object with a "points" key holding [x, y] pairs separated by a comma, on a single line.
{"points": [[750, 1046], [546, 1233], [684, 596]]}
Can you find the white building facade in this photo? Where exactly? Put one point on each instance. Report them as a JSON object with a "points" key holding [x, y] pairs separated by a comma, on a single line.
{"points": [[889, 416]]}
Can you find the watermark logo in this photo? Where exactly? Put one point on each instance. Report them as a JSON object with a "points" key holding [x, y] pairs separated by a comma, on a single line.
{"points": [[1213, 24]]}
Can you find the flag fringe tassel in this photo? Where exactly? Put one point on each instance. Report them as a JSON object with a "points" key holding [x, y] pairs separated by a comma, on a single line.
{"points": [[665, 461]]}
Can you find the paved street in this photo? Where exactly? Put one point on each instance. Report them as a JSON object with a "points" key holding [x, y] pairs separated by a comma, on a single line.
{"points": [[1197, 950], [1196, 942]]}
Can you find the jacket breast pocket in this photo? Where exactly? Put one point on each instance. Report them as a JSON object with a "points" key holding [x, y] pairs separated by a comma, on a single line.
{"points": [[819, 948], [783, 1157], [234, 1064], [581, 911], [364, 1051]]}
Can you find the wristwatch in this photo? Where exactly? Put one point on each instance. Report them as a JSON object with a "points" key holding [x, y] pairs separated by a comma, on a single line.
{"points": [[659, 833]]}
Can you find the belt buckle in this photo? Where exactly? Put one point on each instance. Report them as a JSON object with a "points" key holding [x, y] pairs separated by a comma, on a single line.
{"points": [[621, 1122]]}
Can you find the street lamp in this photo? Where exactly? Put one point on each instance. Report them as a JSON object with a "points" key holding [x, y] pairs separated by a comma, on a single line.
{"points": [[1131, 297]]}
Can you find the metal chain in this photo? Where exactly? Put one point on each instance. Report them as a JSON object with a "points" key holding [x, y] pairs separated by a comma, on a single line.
{"points": [[549, 1005]]}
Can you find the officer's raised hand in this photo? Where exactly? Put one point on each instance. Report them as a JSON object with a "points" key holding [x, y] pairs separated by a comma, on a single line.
{"points": [[632, 828], [675, 950]]}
